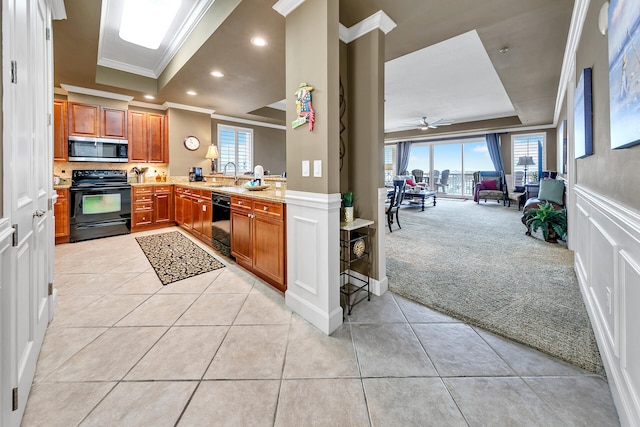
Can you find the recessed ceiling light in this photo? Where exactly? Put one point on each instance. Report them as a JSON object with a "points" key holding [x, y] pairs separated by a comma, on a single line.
{"points": [[145, 22], [258, 41], [504, 49], [190, 92], [217, 74], [150, 97]]}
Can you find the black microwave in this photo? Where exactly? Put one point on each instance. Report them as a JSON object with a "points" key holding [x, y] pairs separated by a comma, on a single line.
{"points": [[90, 149]]}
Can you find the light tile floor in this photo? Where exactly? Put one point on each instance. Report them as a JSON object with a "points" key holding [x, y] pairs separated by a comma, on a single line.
{"points": [[222, 348]]}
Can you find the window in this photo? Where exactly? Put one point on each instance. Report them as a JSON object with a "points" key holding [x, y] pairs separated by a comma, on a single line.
{"points": [[527, 154], [389, 163], [236, 145]]}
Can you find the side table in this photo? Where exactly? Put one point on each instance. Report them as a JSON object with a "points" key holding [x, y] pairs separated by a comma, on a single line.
{"points": [[355, 245]]}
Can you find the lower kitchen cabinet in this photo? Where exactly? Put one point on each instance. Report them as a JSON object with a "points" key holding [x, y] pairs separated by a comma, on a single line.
{"points": [[193, 212], [152, 207], [258, 238], [61, 214]]}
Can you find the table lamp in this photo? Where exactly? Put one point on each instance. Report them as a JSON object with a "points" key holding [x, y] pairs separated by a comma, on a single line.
{"points": [[525, 161], [213, 154]]}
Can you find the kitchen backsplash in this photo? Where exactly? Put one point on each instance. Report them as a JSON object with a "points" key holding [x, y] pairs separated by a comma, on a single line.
{"points": [[64, 169]]}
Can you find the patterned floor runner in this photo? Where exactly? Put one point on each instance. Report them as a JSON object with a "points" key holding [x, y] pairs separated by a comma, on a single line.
{"points": [[174, 257]]}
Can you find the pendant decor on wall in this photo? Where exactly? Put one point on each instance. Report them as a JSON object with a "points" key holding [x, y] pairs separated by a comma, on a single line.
{"points": [[624, 69], [343, 110], [304, 107]]}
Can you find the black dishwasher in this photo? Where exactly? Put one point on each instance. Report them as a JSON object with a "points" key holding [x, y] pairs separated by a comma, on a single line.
{"points": [[221, 223]]}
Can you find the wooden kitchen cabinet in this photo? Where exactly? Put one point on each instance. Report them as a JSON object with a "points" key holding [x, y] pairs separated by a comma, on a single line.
{"points": [[61, 214], [60, 131], [96, 121], [258, 238], [152, 207], [147, 136]]}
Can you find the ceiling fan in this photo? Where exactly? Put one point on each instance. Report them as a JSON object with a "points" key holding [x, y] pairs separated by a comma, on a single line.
{"points": [[424, 124]]}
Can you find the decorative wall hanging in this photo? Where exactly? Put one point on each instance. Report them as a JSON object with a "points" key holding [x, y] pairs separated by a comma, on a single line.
{"points": [[304, 107], [624, 69], [582, 114], [343, 110]]}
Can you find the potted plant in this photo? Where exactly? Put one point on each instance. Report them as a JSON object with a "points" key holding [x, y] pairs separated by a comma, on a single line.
{"points": [[347, 206], [553, 222]]}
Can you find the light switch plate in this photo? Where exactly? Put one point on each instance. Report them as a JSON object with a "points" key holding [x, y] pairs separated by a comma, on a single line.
{"points": [[317, 168], [278, 184], [305, 168]]}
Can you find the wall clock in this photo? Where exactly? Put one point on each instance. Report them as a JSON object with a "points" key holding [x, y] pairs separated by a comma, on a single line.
{"points": [[191, 143]]}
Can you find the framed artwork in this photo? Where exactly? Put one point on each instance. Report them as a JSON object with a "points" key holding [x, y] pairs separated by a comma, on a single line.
{"points": [[624, 69], [583, 118], [562, 136]]}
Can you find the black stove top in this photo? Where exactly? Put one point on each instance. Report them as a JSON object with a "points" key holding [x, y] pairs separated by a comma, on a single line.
{"points": [[98, 178]]}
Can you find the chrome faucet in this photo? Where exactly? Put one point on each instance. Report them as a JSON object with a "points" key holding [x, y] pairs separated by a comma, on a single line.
{"points": [[235, 172]]}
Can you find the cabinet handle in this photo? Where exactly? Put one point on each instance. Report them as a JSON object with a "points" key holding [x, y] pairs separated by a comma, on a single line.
{"points": [[239, 202], [266, 208]]}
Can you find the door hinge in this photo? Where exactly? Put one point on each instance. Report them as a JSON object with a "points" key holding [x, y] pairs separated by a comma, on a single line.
{"points": [[49, 203], [49, 119], [14, 242], [48, 34], [14, 72], [50, 288], [14, 406]]}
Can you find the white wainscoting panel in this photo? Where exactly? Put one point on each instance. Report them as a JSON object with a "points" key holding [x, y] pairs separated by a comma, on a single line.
{"points": [[313, 251], [607, 263]]}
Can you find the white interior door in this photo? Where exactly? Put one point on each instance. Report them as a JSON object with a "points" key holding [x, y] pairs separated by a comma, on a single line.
{"points": [[27, 188]]}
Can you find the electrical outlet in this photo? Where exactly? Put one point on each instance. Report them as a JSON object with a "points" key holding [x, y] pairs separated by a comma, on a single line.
{"points": [[317, 168], [305, 168], [278, 184], [608, 299]]}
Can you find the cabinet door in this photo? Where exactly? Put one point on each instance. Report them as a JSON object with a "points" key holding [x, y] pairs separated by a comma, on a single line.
{"points": [[60, 131], [206, 220], [61, 213], [83, 119], [188, 220], [163, 208], [241, 224], [196, 213], [113, 123], [157, 138], [137, 134], [269, 248], [178, 203]]}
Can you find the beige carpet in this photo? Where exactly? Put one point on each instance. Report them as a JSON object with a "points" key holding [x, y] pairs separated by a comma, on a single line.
{"points": [[474, 262]]}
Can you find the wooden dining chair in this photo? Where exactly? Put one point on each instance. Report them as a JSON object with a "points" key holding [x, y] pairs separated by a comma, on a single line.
{"points": [[396, 200]]}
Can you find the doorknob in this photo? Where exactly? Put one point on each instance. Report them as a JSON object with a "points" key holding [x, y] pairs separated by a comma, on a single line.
{"points": [[39, 213]]}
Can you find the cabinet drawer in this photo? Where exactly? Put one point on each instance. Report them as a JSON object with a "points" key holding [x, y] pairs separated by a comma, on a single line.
{"points": [[142, 218], [140, 207], [163, 189], [270, 209], [141, 198], [145, 189], [241, 203]]}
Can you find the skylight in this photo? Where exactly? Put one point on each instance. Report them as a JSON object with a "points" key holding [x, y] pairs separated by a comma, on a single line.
{"points": [[145, 22]]}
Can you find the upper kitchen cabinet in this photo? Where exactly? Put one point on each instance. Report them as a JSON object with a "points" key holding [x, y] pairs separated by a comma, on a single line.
{"points": [[60, 130], [148, 137], [93, 120]]}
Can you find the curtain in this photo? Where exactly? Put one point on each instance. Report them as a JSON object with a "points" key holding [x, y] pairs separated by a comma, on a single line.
{"points": [[493, 144], [403, 149], [539, 160]]}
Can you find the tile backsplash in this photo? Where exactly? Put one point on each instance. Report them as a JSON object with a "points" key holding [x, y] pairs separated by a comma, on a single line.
{"points": [[64, 169]]}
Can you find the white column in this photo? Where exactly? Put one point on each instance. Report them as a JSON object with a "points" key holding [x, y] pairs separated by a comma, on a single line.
{"points": [[313, 258]]}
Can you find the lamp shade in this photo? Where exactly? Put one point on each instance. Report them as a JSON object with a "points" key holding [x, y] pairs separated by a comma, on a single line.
{"points": [[525, 161], [212, 153]]}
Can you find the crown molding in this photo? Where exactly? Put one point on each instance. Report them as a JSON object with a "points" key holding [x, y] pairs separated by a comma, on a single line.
{"points": [[247, 122], [187, 108], [94, 92], [377, 21], [147, 105], [285, 7], [58, 10], [580, 9], [127, 68]]}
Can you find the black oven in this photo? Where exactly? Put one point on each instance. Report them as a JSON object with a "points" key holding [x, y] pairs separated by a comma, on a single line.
{"points": [[100, 204], [221, 222], [88, 149]]}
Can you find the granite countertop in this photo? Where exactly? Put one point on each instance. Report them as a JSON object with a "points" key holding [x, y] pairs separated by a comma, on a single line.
{"points": [[272, 193]]}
